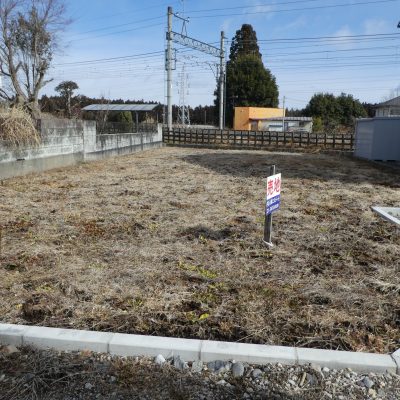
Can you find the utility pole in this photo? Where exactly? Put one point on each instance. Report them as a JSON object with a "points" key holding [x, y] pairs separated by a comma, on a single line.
{"points": [[283, 115], [221, 83], [184, 40], [169, 70], [184, 116]]}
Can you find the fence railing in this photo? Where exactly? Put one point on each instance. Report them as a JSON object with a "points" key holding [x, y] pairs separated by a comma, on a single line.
{"points": [[258, 139], [125, 127]]}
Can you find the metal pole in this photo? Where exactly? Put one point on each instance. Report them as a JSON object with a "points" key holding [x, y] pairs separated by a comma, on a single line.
{"points": [[268, 218], [169, 70], [225, 100], [221, 83]]}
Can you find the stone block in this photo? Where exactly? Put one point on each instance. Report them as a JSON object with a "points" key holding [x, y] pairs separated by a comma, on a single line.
{"points": [[359, 362], [151, 346], [251, 353], [67, 339], [12, 334]]}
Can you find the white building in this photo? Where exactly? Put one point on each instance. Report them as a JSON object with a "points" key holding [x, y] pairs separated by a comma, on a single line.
{"points": [[275, 124], [390, 108]]}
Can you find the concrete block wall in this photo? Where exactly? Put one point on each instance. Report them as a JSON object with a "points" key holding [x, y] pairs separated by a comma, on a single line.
{"points": [[66, 142]]}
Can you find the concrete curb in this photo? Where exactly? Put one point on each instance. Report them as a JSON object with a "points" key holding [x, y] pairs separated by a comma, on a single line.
{"points": [[396, 358], [193, 350]]}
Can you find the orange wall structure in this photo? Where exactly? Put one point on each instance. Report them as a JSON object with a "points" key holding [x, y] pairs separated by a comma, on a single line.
{"points": [[244, 114]]}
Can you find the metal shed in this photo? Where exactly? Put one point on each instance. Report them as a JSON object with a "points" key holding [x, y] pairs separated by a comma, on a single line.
{"points": [[121, 107], [378, 138]]}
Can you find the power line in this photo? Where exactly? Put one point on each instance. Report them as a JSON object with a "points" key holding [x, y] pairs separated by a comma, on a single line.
{"points": [[372, 36], [117, 32], [337, 37], [326, 51], [296, 9], [111, 58], [119, 25], [253, 6]]}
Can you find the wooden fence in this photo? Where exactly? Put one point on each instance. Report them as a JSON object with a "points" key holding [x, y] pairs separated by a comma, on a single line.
{"points": [[256, 139]]}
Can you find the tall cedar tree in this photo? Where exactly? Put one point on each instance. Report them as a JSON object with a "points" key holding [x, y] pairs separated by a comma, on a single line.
{"points": [[248, 82]]}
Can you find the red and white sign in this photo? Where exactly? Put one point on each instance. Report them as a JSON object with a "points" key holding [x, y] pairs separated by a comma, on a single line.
{"points": [[273, 193]]}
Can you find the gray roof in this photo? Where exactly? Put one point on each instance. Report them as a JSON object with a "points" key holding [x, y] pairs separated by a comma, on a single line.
{"points": [[391, 102], [120, 107], [308, 119]]}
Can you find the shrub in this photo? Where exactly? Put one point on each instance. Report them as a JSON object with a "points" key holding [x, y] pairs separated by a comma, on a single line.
{"points": [[18, 128]]}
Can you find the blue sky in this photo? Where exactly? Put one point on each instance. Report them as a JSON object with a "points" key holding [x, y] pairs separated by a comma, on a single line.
{"points": [[336, 59]]}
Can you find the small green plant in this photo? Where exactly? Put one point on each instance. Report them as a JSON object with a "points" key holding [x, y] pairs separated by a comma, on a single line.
{"points": [[205, 273], [45, 288], [97, 265], [203, 239], [193, 318]]}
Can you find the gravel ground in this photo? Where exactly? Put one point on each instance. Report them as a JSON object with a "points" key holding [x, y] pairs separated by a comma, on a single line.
{"points": [[30, 374]]}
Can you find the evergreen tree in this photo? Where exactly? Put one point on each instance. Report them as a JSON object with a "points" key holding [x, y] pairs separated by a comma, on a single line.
{"points": [[66, 91], [335, 110], [125, 121], [248, 82], [244, 43]]}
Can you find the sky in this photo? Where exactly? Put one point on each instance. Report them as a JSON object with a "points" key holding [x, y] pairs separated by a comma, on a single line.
{"points": [[116, 49]]}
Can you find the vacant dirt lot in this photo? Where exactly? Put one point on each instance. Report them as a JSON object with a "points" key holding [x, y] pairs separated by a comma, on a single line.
{"points": [[169, 242]]}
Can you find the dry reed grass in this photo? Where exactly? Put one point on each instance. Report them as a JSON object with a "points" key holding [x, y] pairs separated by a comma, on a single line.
{"points": [[168, 242], [17, 128]]}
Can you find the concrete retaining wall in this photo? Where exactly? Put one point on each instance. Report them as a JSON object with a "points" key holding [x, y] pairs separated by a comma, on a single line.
{"points": [[67, 142]]}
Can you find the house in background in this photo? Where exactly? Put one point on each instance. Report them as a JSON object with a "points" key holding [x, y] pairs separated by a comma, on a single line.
{"points": [[245, 115], [390, 108], [269, 119], [292, 124]]}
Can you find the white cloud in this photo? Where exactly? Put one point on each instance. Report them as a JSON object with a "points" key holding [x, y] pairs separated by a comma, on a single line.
{"points": [[374, 26], [294, 25], [226, 25], [344, 42]]}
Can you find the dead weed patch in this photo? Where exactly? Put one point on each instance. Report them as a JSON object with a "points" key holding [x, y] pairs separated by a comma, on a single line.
{"points": [[177, 251]]}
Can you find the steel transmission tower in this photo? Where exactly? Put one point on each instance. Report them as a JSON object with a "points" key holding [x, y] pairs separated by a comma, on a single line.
{"points": [[183, 114], [184, 40]]}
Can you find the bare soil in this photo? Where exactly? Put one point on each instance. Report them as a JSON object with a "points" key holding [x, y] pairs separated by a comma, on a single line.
{"points": [[169, 242]]}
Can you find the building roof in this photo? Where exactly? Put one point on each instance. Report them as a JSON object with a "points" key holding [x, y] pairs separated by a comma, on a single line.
{"points": [[391, 102], [308, 119], [120, 107]]}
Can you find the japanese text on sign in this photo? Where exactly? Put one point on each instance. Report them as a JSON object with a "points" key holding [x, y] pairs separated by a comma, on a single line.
{"points": [[273, 193]]}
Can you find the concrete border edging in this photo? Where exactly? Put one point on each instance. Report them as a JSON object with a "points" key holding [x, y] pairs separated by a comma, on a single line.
{"points": [[396, 359], [192, 349]]}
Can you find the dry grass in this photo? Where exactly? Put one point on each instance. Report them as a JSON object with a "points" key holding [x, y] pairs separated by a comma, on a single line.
{"points": [[17, 128], [168, 242]]}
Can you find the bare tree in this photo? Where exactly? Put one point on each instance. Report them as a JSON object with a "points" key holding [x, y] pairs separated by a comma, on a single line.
{"points": [[28, 40]]}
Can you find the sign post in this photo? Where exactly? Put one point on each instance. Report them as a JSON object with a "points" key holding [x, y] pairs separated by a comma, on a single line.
{"points": [[273, 201]]}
